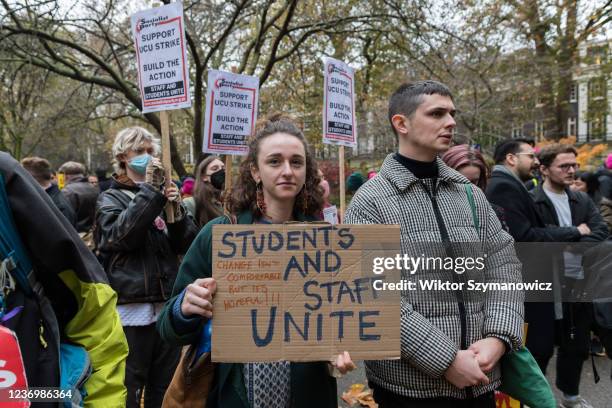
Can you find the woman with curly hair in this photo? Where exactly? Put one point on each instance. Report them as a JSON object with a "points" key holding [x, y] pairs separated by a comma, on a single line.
{"points": [[278, 182]]}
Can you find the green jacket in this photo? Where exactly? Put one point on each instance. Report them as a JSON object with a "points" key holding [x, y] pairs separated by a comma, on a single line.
{"points": [[311, 384]]}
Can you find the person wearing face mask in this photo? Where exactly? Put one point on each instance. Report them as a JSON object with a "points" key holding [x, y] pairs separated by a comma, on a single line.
{"points": [[139, 250], [277, 183], [210, 182]]}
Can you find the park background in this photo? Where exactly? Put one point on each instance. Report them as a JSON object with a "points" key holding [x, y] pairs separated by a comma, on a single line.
{"points": [[517, 68]]}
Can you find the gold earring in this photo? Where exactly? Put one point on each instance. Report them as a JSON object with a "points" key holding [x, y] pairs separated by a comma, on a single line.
{"points": [[261, 204]]}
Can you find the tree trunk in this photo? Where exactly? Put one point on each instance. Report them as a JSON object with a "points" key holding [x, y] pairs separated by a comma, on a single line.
{"points": [[177, 163]]}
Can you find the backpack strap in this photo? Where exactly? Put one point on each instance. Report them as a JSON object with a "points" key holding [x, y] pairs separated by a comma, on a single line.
{"points": [[16, 261], [470, 197]]}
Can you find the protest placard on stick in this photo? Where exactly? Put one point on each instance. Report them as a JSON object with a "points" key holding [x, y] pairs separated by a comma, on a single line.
{"points": [[166, 159], [302, 292], [231, 112], [161, 54], [163, 72], [339, 103], [339, 113]]}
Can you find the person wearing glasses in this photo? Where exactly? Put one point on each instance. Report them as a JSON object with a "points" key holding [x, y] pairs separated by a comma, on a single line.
{"points": [[558, 205], [515, 162]]}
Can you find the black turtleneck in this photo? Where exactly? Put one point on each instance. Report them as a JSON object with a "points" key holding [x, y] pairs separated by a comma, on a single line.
{"points": [[420, 169]]}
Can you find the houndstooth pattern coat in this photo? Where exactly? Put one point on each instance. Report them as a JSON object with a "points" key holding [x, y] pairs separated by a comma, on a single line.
{"points": [[433, 330]]}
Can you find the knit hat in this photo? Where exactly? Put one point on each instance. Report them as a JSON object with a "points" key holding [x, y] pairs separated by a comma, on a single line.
{"points": [[187, 188], [354, 181], [609, 161]]}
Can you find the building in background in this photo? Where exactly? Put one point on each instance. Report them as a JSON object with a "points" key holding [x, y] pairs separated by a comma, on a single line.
{"points": [[591, 96]]}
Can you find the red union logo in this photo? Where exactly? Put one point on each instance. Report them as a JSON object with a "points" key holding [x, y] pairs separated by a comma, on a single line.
{"points": [[139, 25], [333, 68], [222, 82]]}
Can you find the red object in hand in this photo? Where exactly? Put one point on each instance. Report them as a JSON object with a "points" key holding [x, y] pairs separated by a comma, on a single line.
{"points": [[12, 371]]}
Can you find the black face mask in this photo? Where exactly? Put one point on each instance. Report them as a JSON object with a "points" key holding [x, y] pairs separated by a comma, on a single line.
{"points": [[217, 179]]}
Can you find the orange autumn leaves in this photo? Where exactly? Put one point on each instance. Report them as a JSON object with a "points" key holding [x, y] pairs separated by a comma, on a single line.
{"points": [[589, 156], [358, 395]]}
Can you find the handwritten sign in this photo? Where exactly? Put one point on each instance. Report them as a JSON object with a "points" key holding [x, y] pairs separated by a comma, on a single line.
{"points": [[302, 293], [339, 103], [231, 112], [163, 73]]}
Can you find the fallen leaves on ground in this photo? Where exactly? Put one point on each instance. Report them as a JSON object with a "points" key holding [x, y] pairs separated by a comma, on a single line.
{"points": [[359, 394]]}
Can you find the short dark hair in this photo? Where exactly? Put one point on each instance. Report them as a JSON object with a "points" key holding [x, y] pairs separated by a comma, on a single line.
{"points": [[407, 98], [549, 153], [509, 146], [101, 174], [38, 167]]}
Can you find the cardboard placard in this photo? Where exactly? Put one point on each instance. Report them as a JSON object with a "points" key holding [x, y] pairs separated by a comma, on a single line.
{"points": [[161, 53], [339, 103], [302, 292], [231, 112]]}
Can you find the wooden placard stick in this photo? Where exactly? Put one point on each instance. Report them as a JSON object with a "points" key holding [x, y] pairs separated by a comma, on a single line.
{"points": [[228, 172], [229, 158], [167, 159], [342, 186]]}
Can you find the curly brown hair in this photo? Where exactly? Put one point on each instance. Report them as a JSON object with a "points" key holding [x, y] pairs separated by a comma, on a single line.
{"points": [[243, 196]]}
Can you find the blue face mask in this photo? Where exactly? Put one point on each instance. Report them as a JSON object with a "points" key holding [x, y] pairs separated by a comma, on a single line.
{"points": [[139, 163]]}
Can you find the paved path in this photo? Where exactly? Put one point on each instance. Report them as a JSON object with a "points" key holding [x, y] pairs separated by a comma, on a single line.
{"points": [[599, 395]]}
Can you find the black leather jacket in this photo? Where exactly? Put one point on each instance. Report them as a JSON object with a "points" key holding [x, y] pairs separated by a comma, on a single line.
{"points": [[139, 257]]}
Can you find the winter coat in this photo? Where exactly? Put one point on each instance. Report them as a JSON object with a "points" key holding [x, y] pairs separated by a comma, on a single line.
{"points": [[605, 206], [432, 332], [138, 249], [62, 204], [582, 208], [524, 222], [82, 196]]}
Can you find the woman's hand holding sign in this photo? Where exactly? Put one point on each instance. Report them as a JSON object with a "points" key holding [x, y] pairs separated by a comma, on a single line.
{"points": [[198, 298]]}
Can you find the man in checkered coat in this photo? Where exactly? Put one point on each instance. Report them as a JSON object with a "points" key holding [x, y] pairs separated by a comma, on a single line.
{"points": [[451, 341]]}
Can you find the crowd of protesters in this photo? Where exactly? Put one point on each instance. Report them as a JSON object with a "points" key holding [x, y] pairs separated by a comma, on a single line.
{"points": [[150, 241]]}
